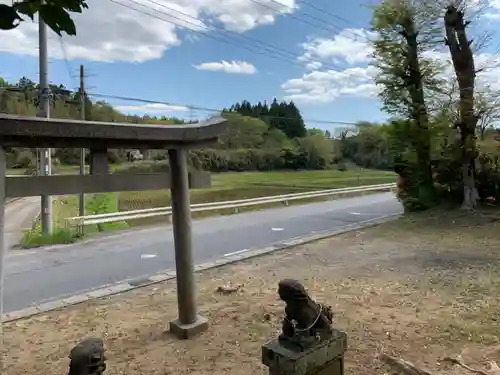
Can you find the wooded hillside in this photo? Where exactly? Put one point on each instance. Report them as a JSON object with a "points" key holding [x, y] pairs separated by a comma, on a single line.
{"points": [[258, 137]]}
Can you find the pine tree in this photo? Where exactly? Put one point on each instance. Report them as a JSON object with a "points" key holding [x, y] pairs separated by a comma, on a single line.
{"points": [[283, 116]]}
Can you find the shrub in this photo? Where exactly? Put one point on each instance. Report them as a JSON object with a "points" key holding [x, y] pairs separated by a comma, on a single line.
{"points": [[35, 238], [103, 204], [25, 159]]}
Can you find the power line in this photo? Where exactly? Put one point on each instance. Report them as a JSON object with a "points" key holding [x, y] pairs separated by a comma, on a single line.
{"points": [[292, 15], [328, 27], [228, 41], [205, 109], [190, 107], [231, 32], [327, 12], [285, 59], [65, 56], [282, 54]]}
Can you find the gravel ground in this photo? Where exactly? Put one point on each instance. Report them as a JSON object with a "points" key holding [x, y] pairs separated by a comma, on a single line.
{"points": [[421, 288]]}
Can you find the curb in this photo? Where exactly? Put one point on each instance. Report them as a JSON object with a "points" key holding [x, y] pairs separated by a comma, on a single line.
{"points": [[170, 274]]}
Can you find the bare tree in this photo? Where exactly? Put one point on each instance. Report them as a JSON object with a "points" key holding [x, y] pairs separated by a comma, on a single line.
{"points": [[487, 106]]}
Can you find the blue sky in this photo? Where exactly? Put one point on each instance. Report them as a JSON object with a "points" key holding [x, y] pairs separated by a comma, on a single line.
{"points": [[132, 54]]}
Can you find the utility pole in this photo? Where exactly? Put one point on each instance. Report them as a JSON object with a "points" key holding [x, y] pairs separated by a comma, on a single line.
{"points": [[44, 154], [82, 151]]}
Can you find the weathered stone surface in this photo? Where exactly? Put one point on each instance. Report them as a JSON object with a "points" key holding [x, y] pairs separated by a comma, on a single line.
{"points": [[87, 358], [326, 357]]}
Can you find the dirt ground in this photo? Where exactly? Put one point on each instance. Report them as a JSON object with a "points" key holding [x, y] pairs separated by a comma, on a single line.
{"points": [[421, 288]]}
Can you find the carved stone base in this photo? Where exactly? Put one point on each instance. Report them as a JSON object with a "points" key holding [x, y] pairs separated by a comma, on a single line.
{"points": [[186, 331], [325, 358]]}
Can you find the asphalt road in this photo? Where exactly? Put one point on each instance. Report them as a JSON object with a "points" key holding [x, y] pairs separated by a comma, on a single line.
{"points": [[20, 214], [33, 277]]}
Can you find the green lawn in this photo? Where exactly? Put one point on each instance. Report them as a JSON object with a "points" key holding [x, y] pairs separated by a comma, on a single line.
{"points": [[232, 186]]}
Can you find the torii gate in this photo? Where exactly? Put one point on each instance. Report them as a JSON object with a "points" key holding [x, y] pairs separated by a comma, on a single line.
{"points": [[35, 132]]}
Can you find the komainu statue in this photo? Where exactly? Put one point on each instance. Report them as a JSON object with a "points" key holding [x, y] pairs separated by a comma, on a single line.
{"points": [[87, 358], [306, 322]]}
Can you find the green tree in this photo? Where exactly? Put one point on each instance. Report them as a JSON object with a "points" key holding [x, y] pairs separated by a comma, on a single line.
{"points": [[55, 13], [368, 146], [406, 29], [487, 107], [282, 116], [317, 151]]}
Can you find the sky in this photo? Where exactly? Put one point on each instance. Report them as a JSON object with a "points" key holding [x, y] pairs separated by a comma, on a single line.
{"points": [[210, 54]]}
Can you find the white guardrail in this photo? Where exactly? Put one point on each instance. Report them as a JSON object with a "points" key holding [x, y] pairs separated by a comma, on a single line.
{"points": [[235, 204]]}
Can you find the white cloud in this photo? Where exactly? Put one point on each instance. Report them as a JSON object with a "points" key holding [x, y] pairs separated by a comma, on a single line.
{"points": [[493, 11], [150, 108], [231, 67], [348, 48], [111, 32], [350, 45], [326, 86], [489, 9], [487, 65], [314, 65], [351, 50]]}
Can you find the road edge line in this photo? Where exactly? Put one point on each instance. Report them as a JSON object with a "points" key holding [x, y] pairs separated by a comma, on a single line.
{"points": [[137, 283]]}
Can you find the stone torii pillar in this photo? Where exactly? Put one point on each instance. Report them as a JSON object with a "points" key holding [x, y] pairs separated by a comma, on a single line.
{"points": [[189, 323], [3, 249], [99, 161]]}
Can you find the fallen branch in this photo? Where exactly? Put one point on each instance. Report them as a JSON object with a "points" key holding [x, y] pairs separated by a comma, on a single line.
{"points": [[401, 366], [494, 369]]}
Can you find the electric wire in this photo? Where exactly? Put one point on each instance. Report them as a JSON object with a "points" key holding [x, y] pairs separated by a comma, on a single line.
{"points": [[327, 12], [205, 109], [215, 37], [273, 47], [66, 61], [327, 26], [251, 48], [267, 47], [199, 24]]}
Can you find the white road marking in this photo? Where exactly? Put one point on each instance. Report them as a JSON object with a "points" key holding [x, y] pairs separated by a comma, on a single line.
{"points": [[20, 253], [236, 252], [148, 256], [354, 213], [277, 229]]}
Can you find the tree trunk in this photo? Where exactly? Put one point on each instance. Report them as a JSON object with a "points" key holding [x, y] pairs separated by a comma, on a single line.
{"points": [[471, 196], [463, 64], [424, 182]]}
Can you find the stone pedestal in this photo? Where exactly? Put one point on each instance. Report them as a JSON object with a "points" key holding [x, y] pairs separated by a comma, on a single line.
{"points": [[187, 331], [324, 358]]}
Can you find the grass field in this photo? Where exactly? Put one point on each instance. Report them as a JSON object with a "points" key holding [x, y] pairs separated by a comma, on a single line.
{"points": [[422, 288], [232, 186]]}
